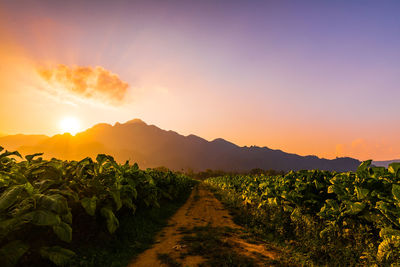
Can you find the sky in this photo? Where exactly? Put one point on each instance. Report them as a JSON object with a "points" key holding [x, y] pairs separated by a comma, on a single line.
{"points": [[307, 77]]}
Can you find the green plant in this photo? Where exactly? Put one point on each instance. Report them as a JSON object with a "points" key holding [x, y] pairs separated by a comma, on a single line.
{"points": [[42, 202], [331, 214]]}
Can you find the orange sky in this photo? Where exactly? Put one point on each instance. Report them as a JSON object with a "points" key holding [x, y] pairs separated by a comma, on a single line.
{"points": [[191, 82]]}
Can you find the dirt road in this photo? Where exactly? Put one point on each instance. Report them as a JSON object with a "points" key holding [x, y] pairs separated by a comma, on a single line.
{"points": [[199, 233]]}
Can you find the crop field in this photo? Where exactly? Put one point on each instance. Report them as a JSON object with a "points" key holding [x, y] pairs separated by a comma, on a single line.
{"points": [[330, 218], [50, 207], [53, 211]]}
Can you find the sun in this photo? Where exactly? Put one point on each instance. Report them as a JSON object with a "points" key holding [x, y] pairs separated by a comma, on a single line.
{"points": [[69, 125]]}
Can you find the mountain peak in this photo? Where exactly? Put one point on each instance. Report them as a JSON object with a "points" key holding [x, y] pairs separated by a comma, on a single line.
{"points": [[222, 141], [101, 126], [135, 121], [151, 146]]}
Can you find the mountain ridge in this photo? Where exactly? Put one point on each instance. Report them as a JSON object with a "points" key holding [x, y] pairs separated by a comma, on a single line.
{"points": [[150, 146], [384, 163]]}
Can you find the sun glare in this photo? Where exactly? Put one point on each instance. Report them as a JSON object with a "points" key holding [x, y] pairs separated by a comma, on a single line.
{"points": [[69, 125]]}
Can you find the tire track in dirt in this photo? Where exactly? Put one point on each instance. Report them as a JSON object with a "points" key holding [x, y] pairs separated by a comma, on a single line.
{"points": [[201, 209]]}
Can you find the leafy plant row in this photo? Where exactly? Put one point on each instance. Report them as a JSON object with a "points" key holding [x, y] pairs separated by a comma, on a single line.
{"points": [[44, 202], [353, 214]]}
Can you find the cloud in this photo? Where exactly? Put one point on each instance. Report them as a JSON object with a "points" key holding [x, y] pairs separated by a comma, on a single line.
{"points": [[94, 83]]}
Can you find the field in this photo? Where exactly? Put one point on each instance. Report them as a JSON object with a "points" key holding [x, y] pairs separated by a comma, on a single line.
{"points": [[101, 213], [349, 218], [50, 210]]}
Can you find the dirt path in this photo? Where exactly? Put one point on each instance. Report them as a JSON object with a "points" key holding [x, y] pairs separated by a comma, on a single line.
{"points": [[200, 231]]}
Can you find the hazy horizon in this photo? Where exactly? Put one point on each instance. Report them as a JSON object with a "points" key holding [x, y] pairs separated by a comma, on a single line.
{"points": [[138, 119], [311, 78]]}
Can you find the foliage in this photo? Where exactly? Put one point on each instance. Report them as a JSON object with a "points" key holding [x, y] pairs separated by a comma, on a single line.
{"points": [[208, 173], [43, 203], [355, 215]]}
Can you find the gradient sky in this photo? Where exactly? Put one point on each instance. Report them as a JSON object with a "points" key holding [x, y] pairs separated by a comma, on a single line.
{"points": [[307, 77]]}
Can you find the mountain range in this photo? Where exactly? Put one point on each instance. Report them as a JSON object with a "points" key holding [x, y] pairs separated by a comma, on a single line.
{"points": [[151, 146], [385, 163]]}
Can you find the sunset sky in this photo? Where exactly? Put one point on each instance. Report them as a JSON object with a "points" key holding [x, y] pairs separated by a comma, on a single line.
{"points": [[308, 77]]}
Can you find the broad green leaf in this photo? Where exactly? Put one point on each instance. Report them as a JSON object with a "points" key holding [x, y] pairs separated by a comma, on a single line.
{"points": [[12, 252], [378, 171], [116, 196], [296, 214], [134, 192], [363, 166], [362, 193], [370, 216], [67, 217], [388, 232], [85, 162], [30, 157], [9, 197], [324, 232], [166, 195], [387, 210], [331, 189], [58, 255], [56, 203], [336, 189], [63, 231], [89, 204], [272, 201], [9, 224], [135, 166], [383, 248], [29, 188], [112, 221], [129, 203], [396, 191], [332, 203], [101, 158], [111, 159], [386, 249], [353, 208], [319, 185], [42, 218], [8, 153], [394, 169]]}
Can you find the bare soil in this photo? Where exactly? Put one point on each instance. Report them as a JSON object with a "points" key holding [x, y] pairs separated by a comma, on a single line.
{"points": [[202, 209]]}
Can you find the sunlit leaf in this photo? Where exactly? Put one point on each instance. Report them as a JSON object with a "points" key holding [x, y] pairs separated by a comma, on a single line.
{"points": [[394, 168], [364, 165], [362, 193], [396, 191]]}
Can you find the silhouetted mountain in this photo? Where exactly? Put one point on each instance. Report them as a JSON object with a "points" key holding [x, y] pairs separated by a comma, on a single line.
{"points": [[384, 163], [151, 146], [14, 142]]}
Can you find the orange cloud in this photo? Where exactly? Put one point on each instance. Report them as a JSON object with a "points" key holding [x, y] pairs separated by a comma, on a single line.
{"points": [[86, 82]]}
